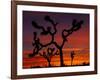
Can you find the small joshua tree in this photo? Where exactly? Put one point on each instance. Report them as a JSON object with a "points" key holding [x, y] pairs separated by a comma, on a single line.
{"points": [[49, 54], [72, 54], [65, 34]]}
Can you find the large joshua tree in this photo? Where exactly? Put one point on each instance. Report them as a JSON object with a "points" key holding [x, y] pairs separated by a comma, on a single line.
{"points": [[76, 25]]}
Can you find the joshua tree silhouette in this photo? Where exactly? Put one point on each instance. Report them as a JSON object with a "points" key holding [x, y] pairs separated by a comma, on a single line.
{"points": [[48, 56], [72, 57], [76, 25]]}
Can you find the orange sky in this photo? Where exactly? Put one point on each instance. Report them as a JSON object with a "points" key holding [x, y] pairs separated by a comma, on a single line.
{"points": [[80, 57]]}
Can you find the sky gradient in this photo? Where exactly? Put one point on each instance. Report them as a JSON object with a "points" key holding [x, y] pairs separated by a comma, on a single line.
{"points": [[78, 41]]}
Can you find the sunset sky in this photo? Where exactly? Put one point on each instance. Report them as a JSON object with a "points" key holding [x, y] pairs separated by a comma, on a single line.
{"points": [[78, 41]]}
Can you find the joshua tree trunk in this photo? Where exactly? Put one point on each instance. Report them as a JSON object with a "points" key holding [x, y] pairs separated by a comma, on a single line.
{"points": [[49, 65], [61, 58], [71, 62]]}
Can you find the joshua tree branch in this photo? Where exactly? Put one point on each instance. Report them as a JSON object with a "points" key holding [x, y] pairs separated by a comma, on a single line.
{"points": [[75, 26]]}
